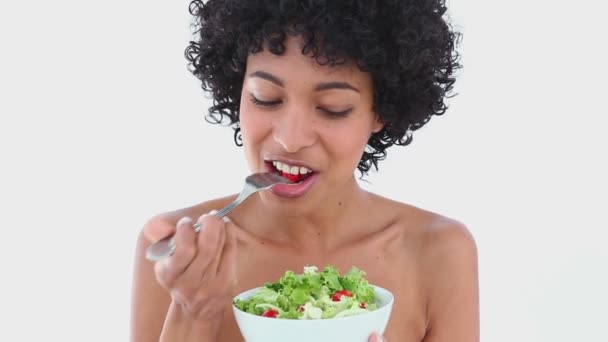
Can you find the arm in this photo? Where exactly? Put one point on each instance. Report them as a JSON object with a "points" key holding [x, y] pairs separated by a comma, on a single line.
{"points": [[149, 301], [182, 298], [453, 292], [179, 326]]}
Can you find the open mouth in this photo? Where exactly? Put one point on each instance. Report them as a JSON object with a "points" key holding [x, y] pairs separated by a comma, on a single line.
{"points": [[296, 174]]}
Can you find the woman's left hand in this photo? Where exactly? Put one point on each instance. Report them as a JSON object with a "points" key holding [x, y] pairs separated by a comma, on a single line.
{"points": [[377, 338]]}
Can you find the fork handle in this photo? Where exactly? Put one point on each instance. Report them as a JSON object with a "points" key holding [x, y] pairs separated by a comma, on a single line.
{"points": [[166, 247], [161, 249], [224, 211]]}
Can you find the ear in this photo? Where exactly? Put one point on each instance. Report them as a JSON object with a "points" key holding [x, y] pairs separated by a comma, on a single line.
{"points": [[377, 125]]}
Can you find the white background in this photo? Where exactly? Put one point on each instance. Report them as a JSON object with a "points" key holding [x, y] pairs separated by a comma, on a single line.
{"points": [[101, 127]]}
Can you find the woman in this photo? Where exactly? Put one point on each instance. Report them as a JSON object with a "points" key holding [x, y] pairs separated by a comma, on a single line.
{"points": [[316, 90]]}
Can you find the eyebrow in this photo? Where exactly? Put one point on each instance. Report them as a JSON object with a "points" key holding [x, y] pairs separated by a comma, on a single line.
{"points": [[335, 85], [268, 77], [319, 87]]}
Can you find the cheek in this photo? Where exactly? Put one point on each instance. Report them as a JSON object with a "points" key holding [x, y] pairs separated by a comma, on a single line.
{"points": [[250, 124], [256, 128], [250, 133], [347, 144]]}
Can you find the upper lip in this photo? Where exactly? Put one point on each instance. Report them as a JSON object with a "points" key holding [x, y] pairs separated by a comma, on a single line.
{"points": [[291, 162]]}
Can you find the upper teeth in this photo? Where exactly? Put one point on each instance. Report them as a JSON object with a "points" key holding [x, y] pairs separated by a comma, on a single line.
{"points": [[294, 170]]}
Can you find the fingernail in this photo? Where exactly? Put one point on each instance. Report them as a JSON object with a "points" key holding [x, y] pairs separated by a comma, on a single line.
{"points": [[213, 212], [206, 214], [226, 219], [184, 220]]}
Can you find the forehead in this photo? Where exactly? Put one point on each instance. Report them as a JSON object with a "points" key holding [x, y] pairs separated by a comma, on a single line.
{"points": [[294, 63]]}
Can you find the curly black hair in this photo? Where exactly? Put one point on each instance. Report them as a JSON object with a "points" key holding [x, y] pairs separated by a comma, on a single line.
{"points": [[407, 46]]}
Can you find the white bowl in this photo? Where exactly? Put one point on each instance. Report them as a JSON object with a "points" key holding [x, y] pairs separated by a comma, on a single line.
{"points": [[356, 328]]}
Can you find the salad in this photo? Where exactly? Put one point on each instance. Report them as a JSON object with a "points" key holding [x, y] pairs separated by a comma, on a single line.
{"points": [[313, 295]]}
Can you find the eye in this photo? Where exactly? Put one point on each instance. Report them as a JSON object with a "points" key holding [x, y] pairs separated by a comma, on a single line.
{"points": [[336, 114], [261, 103]]}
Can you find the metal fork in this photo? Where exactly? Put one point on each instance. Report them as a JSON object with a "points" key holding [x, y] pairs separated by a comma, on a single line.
{"points": [[253, 183]]}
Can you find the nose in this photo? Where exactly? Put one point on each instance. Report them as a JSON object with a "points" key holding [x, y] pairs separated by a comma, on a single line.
{"points": [[295, 130]]}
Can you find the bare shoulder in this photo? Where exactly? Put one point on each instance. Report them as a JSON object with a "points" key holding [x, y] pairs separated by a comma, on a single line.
{"points": [[447, 255], [435, 234], [443, 237], [448, 252], [445, 244]]}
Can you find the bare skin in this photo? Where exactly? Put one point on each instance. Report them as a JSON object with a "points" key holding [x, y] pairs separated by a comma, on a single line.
{"points": [[431, 264], [428, 261]]}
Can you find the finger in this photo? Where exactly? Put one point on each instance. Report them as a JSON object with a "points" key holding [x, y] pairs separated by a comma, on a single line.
{"points": [[169, 269], [376, 337], [158, 228], [227, 266], [207, 247], [213, 268], [210, 238]]}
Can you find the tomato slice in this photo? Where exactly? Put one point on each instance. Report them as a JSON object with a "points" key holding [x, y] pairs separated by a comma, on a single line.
{"points": [[292, 178], [270, 313], [336, 296]]}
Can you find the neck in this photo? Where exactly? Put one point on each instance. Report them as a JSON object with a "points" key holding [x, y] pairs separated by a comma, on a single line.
{"points": [[313, 224]]}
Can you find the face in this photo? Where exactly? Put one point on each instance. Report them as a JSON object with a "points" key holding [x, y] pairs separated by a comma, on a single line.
{"points": [[309, 122]]}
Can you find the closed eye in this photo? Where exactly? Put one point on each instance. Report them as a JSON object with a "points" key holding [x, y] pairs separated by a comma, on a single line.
{"points": [[330, 113], [261, 103], [340, 114]]}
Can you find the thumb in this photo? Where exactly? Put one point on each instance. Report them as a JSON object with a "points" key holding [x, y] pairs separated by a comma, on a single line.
{"points": [[376, 337], [158, 228]]}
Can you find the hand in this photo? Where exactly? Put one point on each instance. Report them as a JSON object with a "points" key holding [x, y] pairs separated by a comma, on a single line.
{"points": [[377, 338], [201, 275]]}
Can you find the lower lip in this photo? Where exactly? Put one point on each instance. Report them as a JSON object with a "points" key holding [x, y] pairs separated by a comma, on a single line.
{"points": [[294, 190]]}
